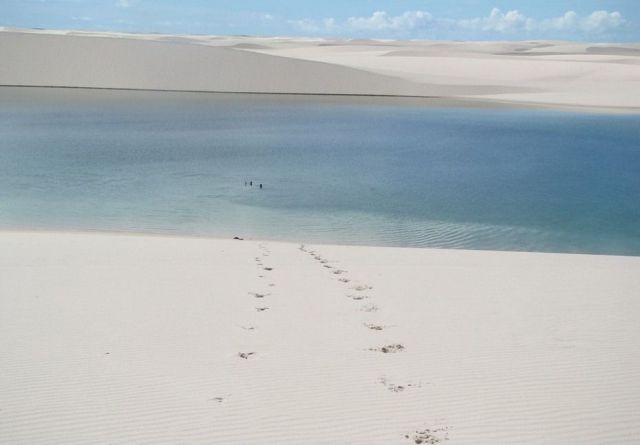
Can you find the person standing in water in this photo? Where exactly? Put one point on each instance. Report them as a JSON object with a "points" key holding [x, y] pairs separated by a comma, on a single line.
{"points": [[251, 183], [261, 186]]}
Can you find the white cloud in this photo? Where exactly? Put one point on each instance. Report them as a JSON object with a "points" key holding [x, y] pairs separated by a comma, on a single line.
{"points": [[568, 22], [497, 22], [381, 21], [602, 21], [123, 4], [597, 22]]}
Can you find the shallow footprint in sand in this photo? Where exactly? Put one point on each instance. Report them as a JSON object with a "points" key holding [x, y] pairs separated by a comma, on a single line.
{"points": [[389, 349], [268, 268], [257, 295], [374, 327], [428, 436], [391, 386], [397, 388], [362, 287], [358, 297], [245, 355], [369, 308], [262, 309]]}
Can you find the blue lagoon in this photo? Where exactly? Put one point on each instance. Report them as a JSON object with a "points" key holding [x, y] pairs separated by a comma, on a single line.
{"points": [[334, 170]]}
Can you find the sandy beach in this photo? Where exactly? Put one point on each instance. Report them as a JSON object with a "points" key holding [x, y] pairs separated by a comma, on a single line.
{"points": [[568, 75], [110, 338]]}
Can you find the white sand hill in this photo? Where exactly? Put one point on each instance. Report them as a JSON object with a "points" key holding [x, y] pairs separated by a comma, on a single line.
{"points": [[144, 339], [560, 74]]}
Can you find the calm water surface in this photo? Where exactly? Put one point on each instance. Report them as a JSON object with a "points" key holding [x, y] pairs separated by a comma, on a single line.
{"points": [[375, 172]]}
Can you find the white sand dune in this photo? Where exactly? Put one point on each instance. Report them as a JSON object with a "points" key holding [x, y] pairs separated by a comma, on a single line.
{"points": [[135, 339], [558, 74]]}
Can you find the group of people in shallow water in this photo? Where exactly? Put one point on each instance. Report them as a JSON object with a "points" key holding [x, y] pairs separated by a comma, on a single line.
{"points": [[250, 183]]}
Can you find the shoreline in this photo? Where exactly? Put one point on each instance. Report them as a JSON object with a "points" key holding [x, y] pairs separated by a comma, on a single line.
{"points": [[384, 99], [186, 236]]}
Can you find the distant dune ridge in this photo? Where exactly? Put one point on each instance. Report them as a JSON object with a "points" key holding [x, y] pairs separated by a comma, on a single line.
{"points": [[559, 74]]}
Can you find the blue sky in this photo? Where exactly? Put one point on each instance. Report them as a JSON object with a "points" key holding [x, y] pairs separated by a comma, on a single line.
{"points": [[590, 20]]}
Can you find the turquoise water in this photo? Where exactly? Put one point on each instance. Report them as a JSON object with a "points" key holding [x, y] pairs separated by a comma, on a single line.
{"points": [[376, 172]]}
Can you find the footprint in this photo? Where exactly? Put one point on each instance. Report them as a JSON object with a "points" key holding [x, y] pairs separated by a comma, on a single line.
{"points": [[428, 436], [360, 288], [397, 388], [389, 349], [369, 308], [257, 295], [344, 280], [357, 297], [218, 399], [339, 271], [327, 266], [271, 284], [391, 386], [245, 355], [323, 261], [248, 328], [268, 268], [374, 327], [262, 309]]}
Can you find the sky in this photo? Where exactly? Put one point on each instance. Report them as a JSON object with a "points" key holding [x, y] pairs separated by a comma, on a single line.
{"points": [[582, 20]]}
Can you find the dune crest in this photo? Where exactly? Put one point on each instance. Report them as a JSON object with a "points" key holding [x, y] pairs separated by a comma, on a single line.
{"points": [[546, 74]]}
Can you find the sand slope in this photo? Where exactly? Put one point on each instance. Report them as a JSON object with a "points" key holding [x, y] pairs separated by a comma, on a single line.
{"points": [[100, 62], [564, 74], [133, 339]]}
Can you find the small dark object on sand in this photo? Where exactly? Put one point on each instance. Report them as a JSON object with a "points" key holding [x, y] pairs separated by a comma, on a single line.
{"points": [[238, 238], [245, 355]]}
